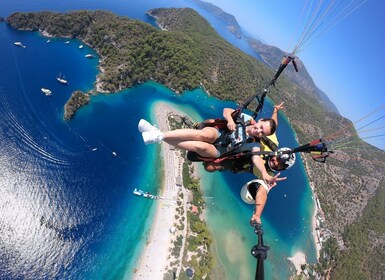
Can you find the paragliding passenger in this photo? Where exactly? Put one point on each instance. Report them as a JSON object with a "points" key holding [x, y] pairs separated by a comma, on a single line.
{"points": [[245, 164], [214, 141]]}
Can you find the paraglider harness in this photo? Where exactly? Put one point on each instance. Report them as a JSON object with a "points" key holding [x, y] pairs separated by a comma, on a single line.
{"points": [[235, 140], [317, 147]]}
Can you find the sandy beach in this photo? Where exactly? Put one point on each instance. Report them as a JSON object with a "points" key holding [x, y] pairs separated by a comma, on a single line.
{"points": [[314, 231], [156, 258], [298, 259]]}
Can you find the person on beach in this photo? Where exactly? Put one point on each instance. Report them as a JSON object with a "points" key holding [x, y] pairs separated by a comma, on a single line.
{"points": [[212, 142]]}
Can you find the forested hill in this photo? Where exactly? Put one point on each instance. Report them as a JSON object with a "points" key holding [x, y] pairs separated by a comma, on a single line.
{"points": [[188, 53], [134, 52]]}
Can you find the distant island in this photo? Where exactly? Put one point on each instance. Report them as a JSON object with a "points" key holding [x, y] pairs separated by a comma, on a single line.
{"points": [[187, 53]]}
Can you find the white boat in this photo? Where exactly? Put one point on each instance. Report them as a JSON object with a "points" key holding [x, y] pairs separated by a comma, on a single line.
{"points": [[66, 42], [81, 46], [46, 91], [148, 195], [89, 55], [62, 80], [138, 192], [48, 41], [19, 44], [114, 153]]}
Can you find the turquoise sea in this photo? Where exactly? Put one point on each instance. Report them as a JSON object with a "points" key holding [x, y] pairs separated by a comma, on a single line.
{"points": [[66, 200]]}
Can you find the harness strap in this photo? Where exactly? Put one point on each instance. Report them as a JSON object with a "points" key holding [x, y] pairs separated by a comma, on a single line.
{"points": [[269, 143]]}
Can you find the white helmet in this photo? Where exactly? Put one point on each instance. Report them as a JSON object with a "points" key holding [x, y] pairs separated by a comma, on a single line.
{"points": [[249, 190], [286, 160]]}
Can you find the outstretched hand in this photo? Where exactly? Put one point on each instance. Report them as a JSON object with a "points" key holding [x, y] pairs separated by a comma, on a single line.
{"points": [[279, 106], [272, 180]]}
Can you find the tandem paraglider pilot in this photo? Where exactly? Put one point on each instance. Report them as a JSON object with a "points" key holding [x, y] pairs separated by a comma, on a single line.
{"points": [[256, 191]]}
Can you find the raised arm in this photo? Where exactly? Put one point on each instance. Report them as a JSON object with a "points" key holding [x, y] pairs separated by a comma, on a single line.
{"points": [[259, 163], [260, 201], [274, 116], [227, 115]]}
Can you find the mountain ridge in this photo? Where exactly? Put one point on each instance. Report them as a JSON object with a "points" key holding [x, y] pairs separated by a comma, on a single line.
{"points": [[230, 21], [271, 55]]}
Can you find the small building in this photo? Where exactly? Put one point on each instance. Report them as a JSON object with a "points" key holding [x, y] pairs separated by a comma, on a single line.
{"points": [[194, 209]]}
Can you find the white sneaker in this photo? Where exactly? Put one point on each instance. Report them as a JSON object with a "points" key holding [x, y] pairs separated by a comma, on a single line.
{"points": [[144, 125], [150, 137]]}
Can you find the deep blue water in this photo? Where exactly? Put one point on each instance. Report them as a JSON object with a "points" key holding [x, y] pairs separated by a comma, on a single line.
{"points": [[66, 200]]}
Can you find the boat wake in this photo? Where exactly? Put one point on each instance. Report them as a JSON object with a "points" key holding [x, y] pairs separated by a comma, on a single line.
{"points": [[20, 137]]}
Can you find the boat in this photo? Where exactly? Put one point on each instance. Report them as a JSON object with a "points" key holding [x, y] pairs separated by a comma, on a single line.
{"points": [[19, 44], [138, 192], [148, 195], [46, 91], [61, 80], [81, 46], [89, 55], [48, 41], [66, 42], [114, 153], [144, 194]]}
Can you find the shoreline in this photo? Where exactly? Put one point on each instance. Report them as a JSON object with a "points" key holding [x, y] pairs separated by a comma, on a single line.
{"points": [[299, 258], [155, 257], [314, 228], [317, 207], [317, 211]]}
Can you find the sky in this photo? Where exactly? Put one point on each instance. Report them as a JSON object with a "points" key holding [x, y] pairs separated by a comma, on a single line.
{"points": [[345, 61]]}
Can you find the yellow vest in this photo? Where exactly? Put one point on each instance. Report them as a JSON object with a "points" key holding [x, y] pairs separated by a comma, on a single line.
{"points": [[265, 147]]}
